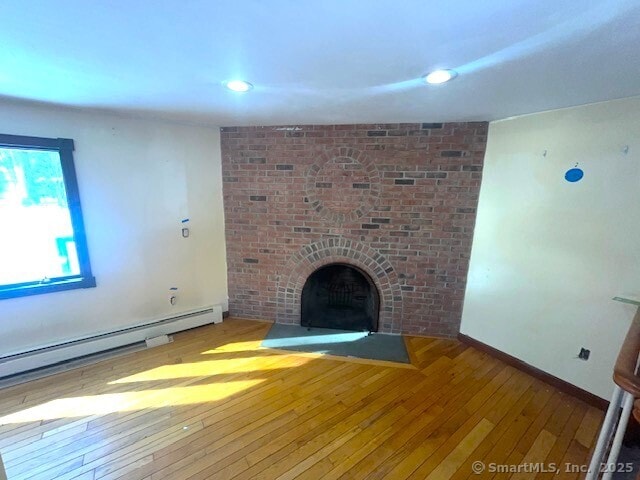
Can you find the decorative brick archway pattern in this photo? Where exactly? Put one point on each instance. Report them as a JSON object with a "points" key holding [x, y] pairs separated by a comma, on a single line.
{"points": [[340, 250], [343, 185]]}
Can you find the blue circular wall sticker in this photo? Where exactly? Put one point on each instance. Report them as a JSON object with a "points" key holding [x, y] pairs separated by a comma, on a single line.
{"points": [[574, 175]]}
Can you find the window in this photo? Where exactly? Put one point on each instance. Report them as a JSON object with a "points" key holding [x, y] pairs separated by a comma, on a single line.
{"points": [[43, 247]]}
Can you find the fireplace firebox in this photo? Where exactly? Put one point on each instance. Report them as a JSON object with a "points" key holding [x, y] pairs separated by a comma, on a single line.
{"points": [[340, 296]]}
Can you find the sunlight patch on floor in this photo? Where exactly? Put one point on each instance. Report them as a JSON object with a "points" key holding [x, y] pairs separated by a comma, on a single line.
{"points": [[198, 369], [316, 339], [290, 341], [236, 347], [128, 401]]}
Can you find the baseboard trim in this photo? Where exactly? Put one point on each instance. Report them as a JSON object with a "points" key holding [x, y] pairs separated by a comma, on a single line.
{"points": [[554, 381]]}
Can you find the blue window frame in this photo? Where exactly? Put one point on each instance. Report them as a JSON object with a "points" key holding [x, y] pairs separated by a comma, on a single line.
{"points": [[43, 245]]}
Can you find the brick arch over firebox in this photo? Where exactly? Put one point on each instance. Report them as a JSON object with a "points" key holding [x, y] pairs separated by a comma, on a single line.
{"points": [[339, 250]]}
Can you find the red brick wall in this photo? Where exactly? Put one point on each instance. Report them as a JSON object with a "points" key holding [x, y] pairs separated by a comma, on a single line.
{"points": [[397, 200]]}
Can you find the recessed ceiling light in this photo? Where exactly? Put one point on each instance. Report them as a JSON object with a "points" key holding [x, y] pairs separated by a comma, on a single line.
{"points": [[440, 76], [238, 85]]}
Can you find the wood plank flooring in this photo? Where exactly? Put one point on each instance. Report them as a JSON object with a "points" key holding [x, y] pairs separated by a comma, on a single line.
{"points": [[213, 405]]}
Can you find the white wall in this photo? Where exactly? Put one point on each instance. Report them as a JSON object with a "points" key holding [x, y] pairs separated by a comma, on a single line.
{"points": [[548, 255], [138, 179]]}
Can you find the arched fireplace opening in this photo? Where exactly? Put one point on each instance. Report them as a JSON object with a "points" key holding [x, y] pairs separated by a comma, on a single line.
{"points": [[340, 296]]}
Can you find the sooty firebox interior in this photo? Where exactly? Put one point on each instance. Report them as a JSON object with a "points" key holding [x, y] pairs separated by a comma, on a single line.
{"points": [[340, 296]]}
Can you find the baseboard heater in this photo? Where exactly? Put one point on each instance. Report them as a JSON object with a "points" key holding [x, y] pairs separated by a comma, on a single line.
{"points": [[54, 354]]}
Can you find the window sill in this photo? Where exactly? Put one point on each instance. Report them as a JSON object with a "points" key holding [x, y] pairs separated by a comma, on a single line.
{"points": [[50, 287]]}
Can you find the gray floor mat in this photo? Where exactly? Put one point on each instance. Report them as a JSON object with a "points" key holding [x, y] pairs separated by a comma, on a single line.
{"points": [[337, 342]]}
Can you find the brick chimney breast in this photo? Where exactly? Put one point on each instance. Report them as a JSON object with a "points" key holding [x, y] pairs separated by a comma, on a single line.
{"points": [[397, 201]]}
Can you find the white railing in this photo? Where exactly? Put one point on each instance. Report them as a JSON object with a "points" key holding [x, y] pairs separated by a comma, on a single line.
{"points": [[627, 389]]}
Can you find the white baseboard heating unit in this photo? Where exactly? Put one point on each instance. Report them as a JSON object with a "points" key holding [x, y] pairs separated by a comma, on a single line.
{"points": [[55, 354]]}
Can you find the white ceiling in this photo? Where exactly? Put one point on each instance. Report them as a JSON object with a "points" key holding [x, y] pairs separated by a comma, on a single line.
{"points": [[322, 61]]}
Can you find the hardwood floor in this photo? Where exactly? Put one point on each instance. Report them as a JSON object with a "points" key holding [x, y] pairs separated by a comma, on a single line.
{"points": [[213, 405]]}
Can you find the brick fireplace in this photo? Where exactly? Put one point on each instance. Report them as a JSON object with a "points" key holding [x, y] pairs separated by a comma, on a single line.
{"points": [[395, 201]]}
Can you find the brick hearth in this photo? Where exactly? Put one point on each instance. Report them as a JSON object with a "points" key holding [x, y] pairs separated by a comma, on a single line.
{"points": [[396, 200]]}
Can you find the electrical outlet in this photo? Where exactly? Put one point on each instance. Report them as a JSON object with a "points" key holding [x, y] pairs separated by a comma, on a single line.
{"points": [[584, 354], [173, 295]]}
